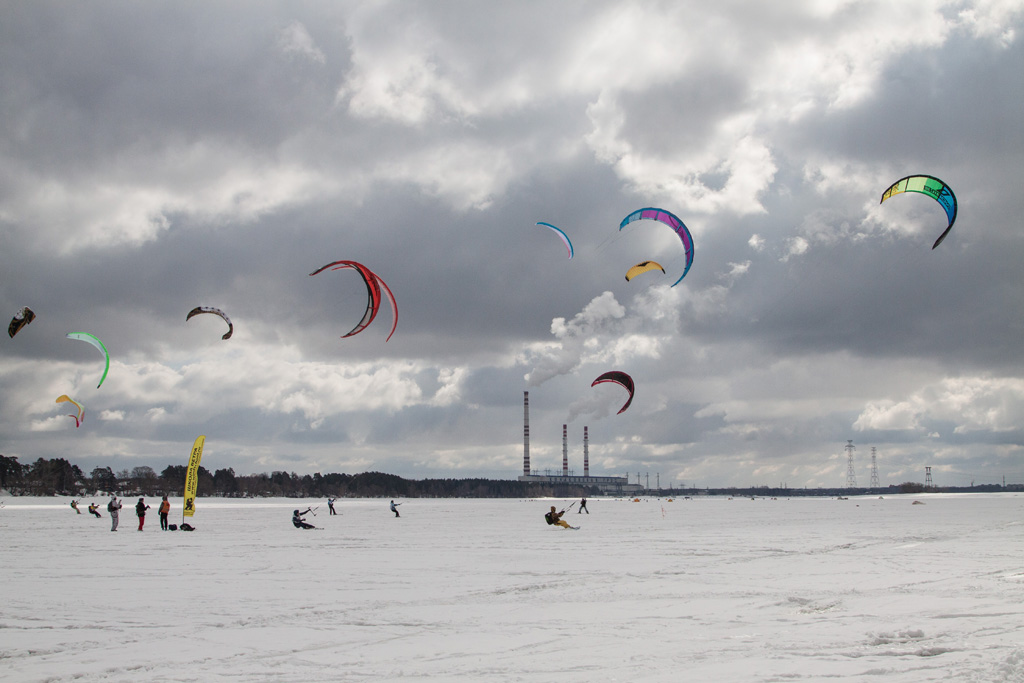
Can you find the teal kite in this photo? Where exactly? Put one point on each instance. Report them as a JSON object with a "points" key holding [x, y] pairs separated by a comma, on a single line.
{"points": [[934, 188], [561, 235], [672, 221]]}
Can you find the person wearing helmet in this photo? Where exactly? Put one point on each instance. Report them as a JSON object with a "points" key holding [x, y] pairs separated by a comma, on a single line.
{"points": [[299, 522]]}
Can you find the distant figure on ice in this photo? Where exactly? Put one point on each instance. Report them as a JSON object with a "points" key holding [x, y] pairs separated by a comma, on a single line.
{"points": [[556, 518], [112, 507], [394, 508], [140, 510], [583, 506], [93, 510], [299, 522], [165, 509], [74, 506], [330, 504]]}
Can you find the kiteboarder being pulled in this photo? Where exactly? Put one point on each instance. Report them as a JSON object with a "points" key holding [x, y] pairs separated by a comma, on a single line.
{"points": [[556, 518], [299, 522]]}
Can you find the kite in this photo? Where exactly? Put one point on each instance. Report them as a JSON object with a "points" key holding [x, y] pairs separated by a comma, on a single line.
{"points": [[86, 337], [934, 188], [643, 267], [620, 378], [64, 398], [561, 235], [374, 287], [672, 221], [216, 311], [23, 317]]}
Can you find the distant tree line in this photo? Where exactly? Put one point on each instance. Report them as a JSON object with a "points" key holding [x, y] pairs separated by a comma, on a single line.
{"points": [[59, 477]]}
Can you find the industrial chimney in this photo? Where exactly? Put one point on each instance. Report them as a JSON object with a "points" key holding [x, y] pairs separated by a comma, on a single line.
{"points": [[565, 451], [526, 433], [586, 453]]}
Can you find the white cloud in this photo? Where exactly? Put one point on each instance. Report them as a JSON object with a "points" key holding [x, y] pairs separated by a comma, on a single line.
{"points": [[798, 246], [135, 204], [577, 340], [294, 39], [732, 151], [992, 19], [465, 174], [971, 403]]}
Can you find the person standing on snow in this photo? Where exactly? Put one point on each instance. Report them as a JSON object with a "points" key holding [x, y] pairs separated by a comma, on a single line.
{"points": [[583, 506], [140, 510], [74, 506], [394, 508], [93, 510], [165, 509], [330, 505], [112, 507]]}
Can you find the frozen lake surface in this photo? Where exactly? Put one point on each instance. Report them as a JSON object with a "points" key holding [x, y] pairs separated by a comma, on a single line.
{"points": [[708, 589]]}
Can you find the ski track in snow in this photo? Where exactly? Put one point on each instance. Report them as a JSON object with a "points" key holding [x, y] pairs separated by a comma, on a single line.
{"points": [[706, 589]]}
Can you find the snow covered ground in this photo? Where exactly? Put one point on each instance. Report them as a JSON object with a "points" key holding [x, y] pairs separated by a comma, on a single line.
{"points": [[707, 589]]}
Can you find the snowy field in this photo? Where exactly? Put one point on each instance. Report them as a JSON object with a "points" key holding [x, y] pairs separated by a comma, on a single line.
{"points": [[708, 589]]}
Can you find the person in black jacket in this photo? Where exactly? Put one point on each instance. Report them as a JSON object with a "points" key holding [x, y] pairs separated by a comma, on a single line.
{"points": [[140, 510], [299, 522]]}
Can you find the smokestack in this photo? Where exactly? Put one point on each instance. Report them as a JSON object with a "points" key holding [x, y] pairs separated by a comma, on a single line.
{"points": [[565, 451], [526, 433], [586, 453]]}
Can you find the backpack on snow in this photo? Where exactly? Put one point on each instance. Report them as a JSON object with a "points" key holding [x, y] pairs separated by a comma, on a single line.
{"points": [[172, 527], [185, 526]]}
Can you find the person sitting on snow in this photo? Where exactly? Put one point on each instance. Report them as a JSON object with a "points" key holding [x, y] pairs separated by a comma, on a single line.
{"points": [[299, 522], [556, 518]]}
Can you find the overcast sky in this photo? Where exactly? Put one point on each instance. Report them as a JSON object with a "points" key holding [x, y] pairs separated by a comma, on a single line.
{"points": [[160, 156]]}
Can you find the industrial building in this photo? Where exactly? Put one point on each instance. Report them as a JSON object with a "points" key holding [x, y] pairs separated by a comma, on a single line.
{"points": [[613, 486]]}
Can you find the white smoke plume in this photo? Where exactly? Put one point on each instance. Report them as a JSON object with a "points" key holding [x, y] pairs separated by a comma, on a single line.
{"points": [[580, 339]]}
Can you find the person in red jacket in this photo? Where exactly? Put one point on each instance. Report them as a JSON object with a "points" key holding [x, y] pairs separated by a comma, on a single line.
{"points": [[140, 510]]}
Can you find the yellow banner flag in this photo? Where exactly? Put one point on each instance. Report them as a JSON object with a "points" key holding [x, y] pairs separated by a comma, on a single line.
{"points": [[192, 477]]}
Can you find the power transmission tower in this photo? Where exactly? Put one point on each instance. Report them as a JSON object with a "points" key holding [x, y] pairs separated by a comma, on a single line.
{"points": [[874, 470], [928, 477], [851, 479]]}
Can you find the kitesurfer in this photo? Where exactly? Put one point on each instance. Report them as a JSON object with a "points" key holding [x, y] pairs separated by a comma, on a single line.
{"points": [[93, 510], [112, 507], [74, 506], [583, 506], [165, 509], [394, 508], [556, 518], [299, 522], [330, 505], [140, 510]]}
